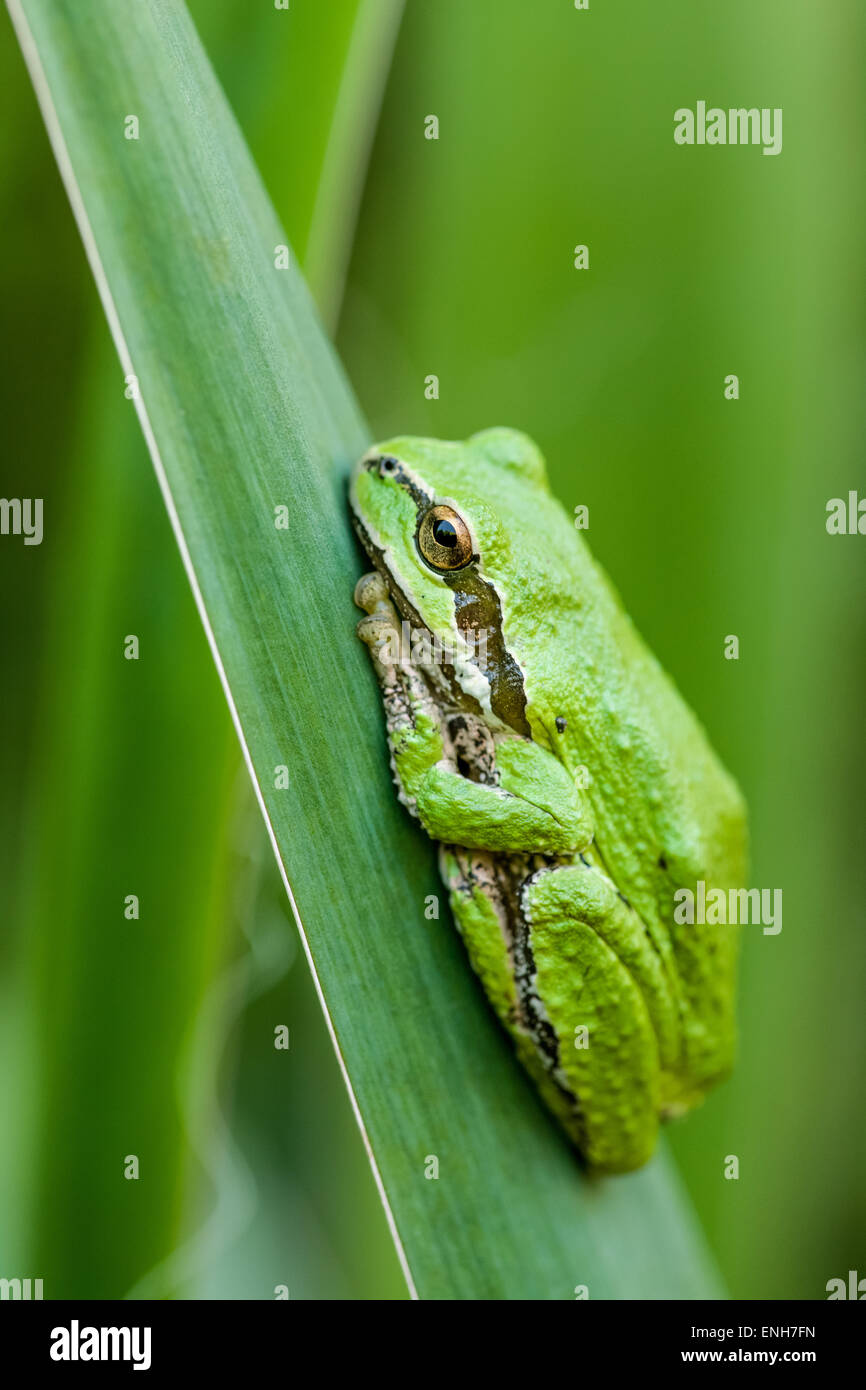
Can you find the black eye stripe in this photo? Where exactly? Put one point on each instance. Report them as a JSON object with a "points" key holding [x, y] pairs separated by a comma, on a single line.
{"points": [[390, 467], [476, 607]]}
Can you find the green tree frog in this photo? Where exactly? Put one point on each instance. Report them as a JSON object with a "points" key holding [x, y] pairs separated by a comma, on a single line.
{"points": [[570, 788]]}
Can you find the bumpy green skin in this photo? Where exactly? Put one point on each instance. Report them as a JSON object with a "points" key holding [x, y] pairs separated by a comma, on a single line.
{"points": [[658, 811]]}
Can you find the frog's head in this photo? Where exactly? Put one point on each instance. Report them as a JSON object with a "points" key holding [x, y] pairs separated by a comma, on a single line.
{"points": [[452, 526]]}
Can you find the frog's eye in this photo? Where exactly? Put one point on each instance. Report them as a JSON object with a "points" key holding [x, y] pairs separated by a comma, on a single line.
{"points": [[443, 538]]}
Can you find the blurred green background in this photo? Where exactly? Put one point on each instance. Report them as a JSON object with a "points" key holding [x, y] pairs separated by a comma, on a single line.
{"points": [[454, 258]]}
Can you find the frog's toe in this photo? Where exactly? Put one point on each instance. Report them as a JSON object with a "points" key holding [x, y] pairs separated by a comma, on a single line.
{"points": [[370, 591], [375, 629]]}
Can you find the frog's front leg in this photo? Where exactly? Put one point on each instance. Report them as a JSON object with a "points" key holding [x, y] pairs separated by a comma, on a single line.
{"points": [[506, 794], [533, 807]]}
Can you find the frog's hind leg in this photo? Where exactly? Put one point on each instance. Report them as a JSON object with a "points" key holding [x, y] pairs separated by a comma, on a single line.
{"points": [[572, 975], [590, 969], [484, 898]]}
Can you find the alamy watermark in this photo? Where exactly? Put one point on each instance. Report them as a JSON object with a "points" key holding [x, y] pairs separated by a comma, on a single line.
{"points": [[24, 1289], [719, 907], [738, 125], [417, 646], [77, 1343], [22, 516]]}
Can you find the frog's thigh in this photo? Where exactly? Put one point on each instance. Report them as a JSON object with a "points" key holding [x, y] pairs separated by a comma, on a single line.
{"points": [[608, 1049]]}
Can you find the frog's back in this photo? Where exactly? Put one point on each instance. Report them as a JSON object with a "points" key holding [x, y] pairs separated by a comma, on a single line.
{"points": [[668, 816]]}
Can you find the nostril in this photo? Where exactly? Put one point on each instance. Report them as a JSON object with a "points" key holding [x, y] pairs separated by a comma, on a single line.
{"points": [[387, 464]]}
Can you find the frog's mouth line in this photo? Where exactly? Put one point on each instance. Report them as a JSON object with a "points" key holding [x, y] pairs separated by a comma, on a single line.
{"points": [[477, 611]]}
